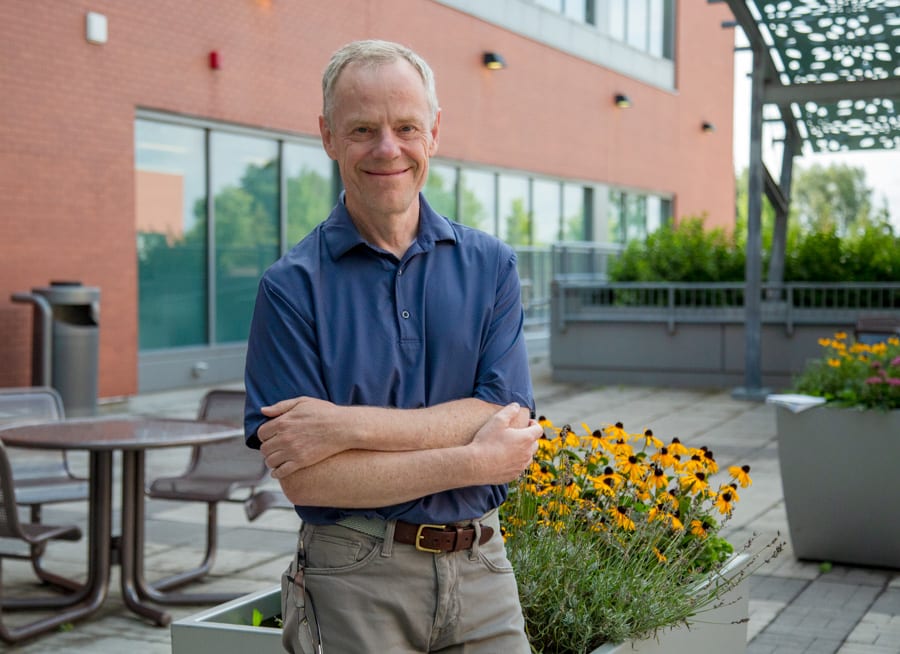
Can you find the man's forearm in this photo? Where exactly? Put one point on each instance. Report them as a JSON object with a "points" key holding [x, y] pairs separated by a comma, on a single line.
{"points": [[365, 479], [304, 431], [498, 453]]}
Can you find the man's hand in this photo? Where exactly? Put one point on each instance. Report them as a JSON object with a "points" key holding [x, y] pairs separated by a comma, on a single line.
{"points": [[505, 451], [301, 432]]}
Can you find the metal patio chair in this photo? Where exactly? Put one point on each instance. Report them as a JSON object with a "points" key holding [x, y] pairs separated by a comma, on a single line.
{"points": [[215, 473], [47, 479], [36, 537]]}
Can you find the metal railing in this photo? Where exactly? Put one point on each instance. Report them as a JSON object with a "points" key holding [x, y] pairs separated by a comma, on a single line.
{"points": [[539, 265], [580, 299]]}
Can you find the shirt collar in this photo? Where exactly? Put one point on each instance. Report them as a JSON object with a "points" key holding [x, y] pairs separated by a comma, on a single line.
{"points": [[341, 235]]}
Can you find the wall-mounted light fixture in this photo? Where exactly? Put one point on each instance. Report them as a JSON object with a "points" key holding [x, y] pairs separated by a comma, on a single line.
{"points": [[622, 100], [494, 61], [708, 127], [96, 28]]}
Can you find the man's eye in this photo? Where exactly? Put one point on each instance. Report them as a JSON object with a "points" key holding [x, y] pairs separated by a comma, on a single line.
{"points": [[408, 128]]}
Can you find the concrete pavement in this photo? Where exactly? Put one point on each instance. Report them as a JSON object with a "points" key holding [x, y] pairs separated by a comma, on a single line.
{"points": [[794, 606]]}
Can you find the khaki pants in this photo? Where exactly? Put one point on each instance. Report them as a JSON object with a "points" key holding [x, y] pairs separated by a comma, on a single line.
{"points": [[350, 593]]}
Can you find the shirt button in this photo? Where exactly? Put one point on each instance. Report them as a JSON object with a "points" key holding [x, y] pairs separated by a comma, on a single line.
{"points": [[405, 314], [399, 271]]}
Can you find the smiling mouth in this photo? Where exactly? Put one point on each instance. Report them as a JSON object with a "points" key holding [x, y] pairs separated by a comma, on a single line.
{"points": [[386, 173]]}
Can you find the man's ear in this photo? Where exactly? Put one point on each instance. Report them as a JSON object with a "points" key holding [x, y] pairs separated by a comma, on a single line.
{"points": [[435, 131], [327, 137]]}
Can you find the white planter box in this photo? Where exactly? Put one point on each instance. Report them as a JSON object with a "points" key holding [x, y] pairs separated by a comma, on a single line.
{"points": [[722, 629], [226, 628]]}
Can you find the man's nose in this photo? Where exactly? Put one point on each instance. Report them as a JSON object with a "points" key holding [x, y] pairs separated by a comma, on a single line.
{"points": [[388, 144]]}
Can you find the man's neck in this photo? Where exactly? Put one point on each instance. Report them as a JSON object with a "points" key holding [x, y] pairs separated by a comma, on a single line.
{"points": [[391, 232]]}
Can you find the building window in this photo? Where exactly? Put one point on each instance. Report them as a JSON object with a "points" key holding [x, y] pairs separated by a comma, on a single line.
{"points": [[547, 210], [244, 173], [478, 200], [309, 188], [440, 189], [200, 261], [170, 213], [514, 209]]}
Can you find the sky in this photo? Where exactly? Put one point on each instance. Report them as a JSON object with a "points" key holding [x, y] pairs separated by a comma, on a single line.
{"points": [[882, 166]]}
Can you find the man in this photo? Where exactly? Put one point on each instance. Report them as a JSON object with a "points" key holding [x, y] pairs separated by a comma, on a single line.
{"points": [[388, 388]]}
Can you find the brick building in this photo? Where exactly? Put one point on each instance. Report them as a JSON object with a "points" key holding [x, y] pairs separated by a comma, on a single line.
{"points": [[166, 152]]}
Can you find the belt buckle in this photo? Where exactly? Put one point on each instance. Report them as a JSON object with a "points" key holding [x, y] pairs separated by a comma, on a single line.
{"points": [[420, 536]]}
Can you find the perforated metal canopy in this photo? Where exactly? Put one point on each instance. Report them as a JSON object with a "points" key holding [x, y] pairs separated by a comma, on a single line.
{"points": [[834, 65]]}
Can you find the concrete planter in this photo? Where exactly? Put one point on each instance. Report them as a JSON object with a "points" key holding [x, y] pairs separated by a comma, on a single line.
{"points": [[839, 473], [226, 629], [721, 629]]}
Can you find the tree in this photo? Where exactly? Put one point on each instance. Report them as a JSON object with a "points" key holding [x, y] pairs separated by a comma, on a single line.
{"points": [[835, 197]]}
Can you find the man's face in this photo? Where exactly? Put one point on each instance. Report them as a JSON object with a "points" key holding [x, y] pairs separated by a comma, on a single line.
{"points": [[381, 136]]}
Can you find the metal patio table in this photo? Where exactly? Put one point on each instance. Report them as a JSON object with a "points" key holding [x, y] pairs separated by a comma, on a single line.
{"points": [[101, 437]]}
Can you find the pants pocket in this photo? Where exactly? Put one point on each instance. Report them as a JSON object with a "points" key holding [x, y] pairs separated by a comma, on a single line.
{"points": [[299, 629]]}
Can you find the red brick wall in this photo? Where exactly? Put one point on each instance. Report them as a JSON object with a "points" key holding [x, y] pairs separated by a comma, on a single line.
{"points": [[67, 112]]}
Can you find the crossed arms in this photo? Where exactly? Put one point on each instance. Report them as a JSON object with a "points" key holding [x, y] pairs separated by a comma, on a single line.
{"points": [[363, 457]]}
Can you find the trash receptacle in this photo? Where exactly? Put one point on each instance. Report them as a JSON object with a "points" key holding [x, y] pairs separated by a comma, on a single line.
{"points": [[66, 342]]}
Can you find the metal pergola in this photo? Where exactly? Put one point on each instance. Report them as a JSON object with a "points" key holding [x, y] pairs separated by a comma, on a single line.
{"points": [[832, 70]]}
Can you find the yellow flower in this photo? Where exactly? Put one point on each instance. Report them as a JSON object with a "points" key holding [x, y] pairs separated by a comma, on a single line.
{"points": [[616, 431], [632, 468], [659, 555], [658, 478], [725, 502], [620, 517], [824, 342], [841, 336], [741, 474], [664, 459], [694, 482], [677, 449], [834, 363], [700, 528], [650, 439]]}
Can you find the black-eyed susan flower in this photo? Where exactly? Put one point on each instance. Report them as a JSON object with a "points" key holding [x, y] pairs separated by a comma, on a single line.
{"points": [[725, 501], [741, 475], [621, 519], [659, 555], [632, 468], [693, 482], [700, 528], [658, 478], [663, 458], [676, 448], [651, 440]]}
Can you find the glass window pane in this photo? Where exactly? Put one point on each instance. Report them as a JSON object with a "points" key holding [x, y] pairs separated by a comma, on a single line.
{"points": [[515, 216], [440, 189], [245, 192], [478, 197], [656, 34], [574, 9], [309, 184], [170, 210], [574, 226], [615, 19], [637, 24], [654, 213], [615, 218], [635, 216], [546, 197]]}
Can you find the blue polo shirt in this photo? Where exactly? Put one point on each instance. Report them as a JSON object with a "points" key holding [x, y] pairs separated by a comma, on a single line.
{"points": [[339, 319]]}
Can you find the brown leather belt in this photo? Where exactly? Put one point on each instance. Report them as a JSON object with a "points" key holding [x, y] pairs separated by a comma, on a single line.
{"points": [[440, 538]]}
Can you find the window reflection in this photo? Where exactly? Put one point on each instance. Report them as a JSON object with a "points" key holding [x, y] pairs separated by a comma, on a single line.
{"points": [[547, 201], [246, 202], [440, 189], [514, 209], [170, 214], [478, 200], [309, 180]]}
